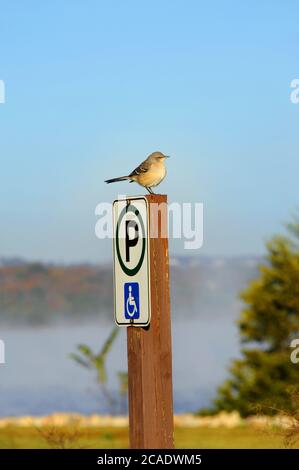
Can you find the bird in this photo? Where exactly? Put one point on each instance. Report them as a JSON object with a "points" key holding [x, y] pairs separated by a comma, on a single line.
{"points": [[148, 174]]}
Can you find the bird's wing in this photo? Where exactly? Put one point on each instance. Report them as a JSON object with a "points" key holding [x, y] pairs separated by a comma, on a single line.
{"points": [[142, 168]]}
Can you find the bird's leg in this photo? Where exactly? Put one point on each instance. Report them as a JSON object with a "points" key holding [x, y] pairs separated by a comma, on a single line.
{"points": [[149, 190]]}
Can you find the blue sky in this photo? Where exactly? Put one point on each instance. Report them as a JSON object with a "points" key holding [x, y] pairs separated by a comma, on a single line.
{"points": [[93, 87]]}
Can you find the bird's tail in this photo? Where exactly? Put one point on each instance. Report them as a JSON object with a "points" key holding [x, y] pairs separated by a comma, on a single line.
{"points": [[120, 178]]}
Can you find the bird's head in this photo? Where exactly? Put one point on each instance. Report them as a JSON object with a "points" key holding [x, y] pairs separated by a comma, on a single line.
{"points": [[158, 157]]}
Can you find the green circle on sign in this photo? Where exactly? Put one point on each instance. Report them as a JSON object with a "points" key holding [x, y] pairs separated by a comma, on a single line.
{"points": [[126, 270]]}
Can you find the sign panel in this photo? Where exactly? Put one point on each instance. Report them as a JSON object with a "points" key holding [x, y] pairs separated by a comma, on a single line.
{"points": [[131, 261]]}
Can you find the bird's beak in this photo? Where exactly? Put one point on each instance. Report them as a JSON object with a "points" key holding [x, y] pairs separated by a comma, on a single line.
{"points": [[166, 156]]}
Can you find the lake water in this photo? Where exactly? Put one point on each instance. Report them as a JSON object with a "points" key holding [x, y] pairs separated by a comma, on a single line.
{"points": [[39, 377]]}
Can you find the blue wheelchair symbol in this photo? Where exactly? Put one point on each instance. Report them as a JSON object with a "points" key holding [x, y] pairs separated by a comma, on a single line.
{"points": [[131, 294]]}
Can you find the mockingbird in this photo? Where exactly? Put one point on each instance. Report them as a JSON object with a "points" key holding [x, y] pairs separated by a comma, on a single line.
{"points": [[148, 174]]}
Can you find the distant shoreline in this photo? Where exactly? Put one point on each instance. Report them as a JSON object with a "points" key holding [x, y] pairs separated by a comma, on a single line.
{"points": [[38, 294], [222, 419]]}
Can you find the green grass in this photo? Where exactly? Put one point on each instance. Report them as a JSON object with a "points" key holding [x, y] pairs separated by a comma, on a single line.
{"points": [[222, 438], [14, 437]]}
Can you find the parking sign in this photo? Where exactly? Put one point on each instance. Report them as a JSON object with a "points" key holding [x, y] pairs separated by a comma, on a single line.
{"points": [[131, 261]]}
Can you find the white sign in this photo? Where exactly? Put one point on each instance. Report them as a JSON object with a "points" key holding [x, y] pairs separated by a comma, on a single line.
{"points": [[131, 261]]}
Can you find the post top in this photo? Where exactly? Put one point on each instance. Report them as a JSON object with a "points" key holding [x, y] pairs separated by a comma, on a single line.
{"points": [[156, 197]]}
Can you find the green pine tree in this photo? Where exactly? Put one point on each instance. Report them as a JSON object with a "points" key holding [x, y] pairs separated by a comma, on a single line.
{"points": [[265, 378]]}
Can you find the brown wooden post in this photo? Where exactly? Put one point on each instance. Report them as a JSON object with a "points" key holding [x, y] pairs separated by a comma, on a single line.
{"points": [[149, 354]]}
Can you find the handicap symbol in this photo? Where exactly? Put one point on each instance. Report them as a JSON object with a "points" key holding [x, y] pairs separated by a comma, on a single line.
{"points": [[132, 300], [131, 304]]}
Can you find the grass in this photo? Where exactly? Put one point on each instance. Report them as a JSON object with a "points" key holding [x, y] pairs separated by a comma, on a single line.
{"points": [[13, 437], [244, 437]]}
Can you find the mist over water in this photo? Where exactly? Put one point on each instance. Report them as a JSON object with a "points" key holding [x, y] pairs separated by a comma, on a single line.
{"points": [[39, 377]]}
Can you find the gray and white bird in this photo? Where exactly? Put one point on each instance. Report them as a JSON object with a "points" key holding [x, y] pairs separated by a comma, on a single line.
{"points": [[148, 174]]}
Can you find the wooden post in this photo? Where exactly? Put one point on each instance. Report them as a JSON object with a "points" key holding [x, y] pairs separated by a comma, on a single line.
{"points": [[149, 354]]}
